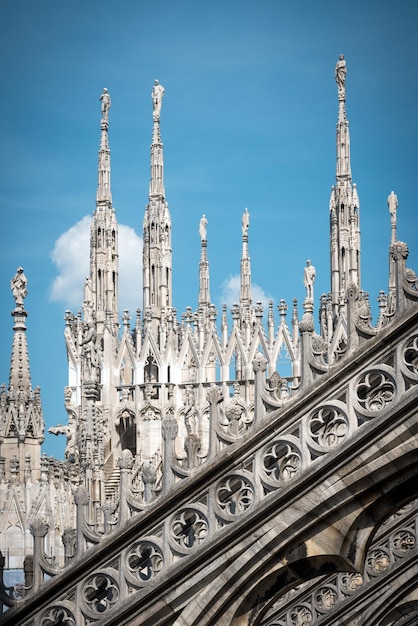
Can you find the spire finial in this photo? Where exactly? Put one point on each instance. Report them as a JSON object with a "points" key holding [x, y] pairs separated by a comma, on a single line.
{"points": [[245, 222], [103, 189], [340, 75], [157, 98], [393, 205], [204, 297], [18, 286], [203, 228], [106, 104]]}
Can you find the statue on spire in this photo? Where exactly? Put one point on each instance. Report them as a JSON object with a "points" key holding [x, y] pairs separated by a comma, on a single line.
{"points": [[203, 228], [340, 74], [393, 205], [157, 97], [245, 222], [106, 103], [309, 274], [18, 287]]}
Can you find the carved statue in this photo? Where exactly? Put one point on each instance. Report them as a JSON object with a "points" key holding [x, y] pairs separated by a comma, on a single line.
{"points": [[190, 412], [90, 349], [392, 203], [309, 274], [106, 103], [18, 287], [245, 222], [341, 72], [69, 432], [88, 293], [157, 97], [203, 227]]}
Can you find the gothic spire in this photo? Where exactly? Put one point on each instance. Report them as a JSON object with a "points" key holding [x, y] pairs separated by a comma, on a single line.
{"points": [[19, 379], [343, 135], [21, 419], [157, 252], [157, 158], [344, 206], [245, 290], [103, 188], [204, 295], [101, 288]]}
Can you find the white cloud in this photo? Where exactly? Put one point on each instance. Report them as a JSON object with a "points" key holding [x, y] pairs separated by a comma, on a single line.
{"points": [[72, 258], [231, 290], [130, 269]]}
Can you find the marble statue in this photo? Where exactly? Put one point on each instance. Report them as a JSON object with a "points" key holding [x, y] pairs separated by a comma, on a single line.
{"points": [[69, 432], [157, 97], [203, 228], [309, 274], [90, 349], [340, 72], [18, 286], [105, 100], [245, 222], [190, 412], [392, 203]]}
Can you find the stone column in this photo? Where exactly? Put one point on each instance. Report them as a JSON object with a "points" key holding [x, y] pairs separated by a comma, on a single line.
{"points": [[169, 428]]}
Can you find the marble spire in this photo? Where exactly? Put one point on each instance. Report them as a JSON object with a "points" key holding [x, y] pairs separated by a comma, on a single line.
{"points": [[21, 418], [344, 206], [204, 294], [245, 289], [103, 187], [101, 287], [157, 251]]}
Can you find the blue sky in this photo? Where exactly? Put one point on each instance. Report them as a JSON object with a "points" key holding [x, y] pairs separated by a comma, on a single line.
{"points": [[248, 120]]}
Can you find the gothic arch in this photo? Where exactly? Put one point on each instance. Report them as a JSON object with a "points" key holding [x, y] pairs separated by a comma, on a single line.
{"points": [[399, 488], [126, 428]]}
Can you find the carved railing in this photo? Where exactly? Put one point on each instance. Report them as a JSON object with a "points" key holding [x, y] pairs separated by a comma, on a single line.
{"points": [[280, 448], [316, 601]]}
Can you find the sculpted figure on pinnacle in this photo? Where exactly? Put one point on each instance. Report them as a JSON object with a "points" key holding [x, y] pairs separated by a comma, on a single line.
{"points": [[309, 274], [245, 222], [18, 287], [203, 227], [340, 73], [392, 203], [106, 102], [157, 97]]}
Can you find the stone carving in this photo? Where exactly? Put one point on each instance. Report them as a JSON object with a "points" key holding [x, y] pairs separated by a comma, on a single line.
{"points": [[309, 606], [328, 426], [340, 73], [377, 561], [309, 274], [375, 390], [403, 542], [58, 614], [157, 97], [301, 615], [245, 222], [101, 593], [234, 495], [203, 227], [392, 204], [18, 286], [189, 528], [88, 344], [144, 560], [106, 103], [190, 410], [326, 598], [282, 461], [410, 358], [69, 432]]}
